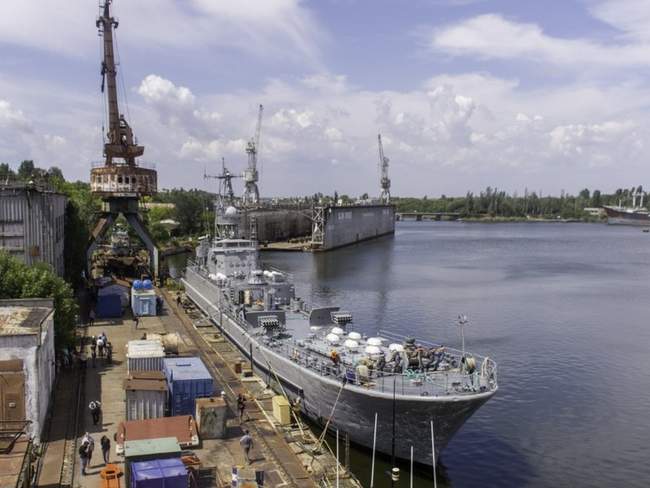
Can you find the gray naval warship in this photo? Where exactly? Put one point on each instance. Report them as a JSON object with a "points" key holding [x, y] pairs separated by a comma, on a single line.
{"points": [[333, 374]]}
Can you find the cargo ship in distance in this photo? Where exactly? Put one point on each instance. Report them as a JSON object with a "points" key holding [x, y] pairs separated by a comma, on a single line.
{"points": [[635, 215], [314, 356]]}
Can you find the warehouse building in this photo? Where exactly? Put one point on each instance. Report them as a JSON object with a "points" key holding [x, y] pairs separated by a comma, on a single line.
{"points": [[27, 362], [32, 222]]}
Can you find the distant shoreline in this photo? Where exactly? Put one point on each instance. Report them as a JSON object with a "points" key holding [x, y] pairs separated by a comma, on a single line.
{"points": [[511, 220]]}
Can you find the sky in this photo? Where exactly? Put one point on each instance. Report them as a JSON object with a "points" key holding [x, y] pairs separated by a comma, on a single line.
{"points": [[512, 94]]}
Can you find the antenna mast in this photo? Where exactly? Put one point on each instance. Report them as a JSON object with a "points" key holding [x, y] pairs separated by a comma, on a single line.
{"points": [[383, 167], [251, 176]]}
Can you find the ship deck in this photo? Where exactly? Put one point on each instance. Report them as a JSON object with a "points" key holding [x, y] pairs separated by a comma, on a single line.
{"points": [[437, 375], [308, 347]]}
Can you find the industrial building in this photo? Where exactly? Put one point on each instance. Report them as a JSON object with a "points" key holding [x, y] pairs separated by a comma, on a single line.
{"points": [[27, 363], [32, 222]]}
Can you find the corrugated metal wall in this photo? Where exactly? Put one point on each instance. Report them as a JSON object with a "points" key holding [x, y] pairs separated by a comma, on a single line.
{"points": [[32, 225], [145, 404]]}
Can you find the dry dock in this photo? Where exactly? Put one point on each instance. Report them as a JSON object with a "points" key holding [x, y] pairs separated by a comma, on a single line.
{"points": [[283, 453]]}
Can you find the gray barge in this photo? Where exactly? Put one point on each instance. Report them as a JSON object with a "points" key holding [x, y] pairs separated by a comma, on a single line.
{"points": [[328, 370], [338, 226]]}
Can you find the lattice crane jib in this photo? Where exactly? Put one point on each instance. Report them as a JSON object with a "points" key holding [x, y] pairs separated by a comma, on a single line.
{"points": [[383, 168], [119, 180]]}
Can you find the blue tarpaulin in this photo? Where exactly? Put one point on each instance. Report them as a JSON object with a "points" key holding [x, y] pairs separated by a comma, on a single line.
{"points": [[108, 306], [159, 473]]}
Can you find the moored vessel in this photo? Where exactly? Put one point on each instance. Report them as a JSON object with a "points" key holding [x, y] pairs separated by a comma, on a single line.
{"points": [[635, 215], [329, 371]]}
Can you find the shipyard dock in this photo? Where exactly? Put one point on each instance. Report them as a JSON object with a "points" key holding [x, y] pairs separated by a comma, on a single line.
{"points": [[286, 454], [339, 226]]}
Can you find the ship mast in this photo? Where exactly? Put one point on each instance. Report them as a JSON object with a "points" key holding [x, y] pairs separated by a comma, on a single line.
{"points": [[121, 142]]}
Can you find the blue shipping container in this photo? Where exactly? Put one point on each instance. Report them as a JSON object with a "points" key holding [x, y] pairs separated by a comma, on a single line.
{"points": [[108, 306], [188, 379], [159, 473]]}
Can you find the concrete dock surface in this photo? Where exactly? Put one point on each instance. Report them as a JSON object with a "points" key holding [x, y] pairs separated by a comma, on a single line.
{"points": [[283, 453]]}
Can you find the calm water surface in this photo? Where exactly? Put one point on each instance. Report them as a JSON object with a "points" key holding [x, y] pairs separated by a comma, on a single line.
{"points": [[562, 308]]}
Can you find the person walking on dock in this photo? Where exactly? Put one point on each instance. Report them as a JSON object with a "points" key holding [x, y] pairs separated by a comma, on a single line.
{"points": [[109, 352], [246, 443], [101, 342], [90, 447], [241, 407], [95, 410], [91, 317], [83, 457], [136, 319], [106, 448]]}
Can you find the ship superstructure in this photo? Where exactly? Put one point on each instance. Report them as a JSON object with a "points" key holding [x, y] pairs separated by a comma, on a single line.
{"points": [[314, 355]]}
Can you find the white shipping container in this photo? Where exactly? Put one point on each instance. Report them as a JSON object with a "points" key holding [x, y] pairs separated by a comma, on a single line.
{"points": [[145, 399], [145, 404], [145, 355]]}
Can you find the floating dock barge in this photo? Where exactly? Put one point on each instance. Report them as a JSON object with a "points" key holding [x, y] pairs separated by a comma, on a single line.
{"points": [[338, 226]]}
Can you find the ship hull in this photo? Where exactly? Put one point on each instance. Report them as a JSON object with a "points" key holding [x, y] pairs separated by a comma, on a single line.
{"points": [[619, 217], [355, 410]]}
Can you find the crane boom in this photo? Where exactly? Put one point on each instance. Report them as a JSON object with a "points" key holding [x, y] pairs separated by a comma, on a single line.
{"points": [[383, 168], [251, 175], [258, 129]]}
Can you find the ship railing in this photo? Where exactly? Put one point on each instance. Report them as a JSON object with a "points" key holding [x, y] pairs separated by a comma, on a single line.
{"points": [[410, 382]]}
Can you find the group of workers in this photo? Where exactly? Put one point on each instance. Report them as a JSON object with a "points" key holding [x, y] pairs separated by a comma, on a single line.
{"points": [[412, 356], [87, 447], [100, 344]]}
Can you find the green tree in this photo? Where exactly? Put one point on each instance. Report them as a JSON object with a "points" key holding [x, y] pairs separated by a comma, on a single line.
{"points": [[595, 199], [189, 208], [6, 171], [26, 169], [18, 280]]}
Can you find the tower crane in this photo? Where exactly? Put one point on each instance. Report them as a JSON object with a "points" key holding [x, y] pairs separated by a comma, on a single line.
{"points": [[251, 176], [383, 168]]}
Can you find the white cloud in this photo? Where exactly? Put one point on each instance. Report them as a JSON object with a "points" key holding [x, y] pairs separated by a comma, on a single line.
{"points": [[577, 139], [333, 134], [630, 17], [13, 118], [157, 90], [326, 82], [492, 36], [451, 134], [260, 27], [212, 150], [293, 119]]}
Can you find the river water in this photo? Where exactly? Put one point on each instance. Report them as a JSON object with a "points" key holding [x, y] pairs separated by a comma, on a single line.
{"points": [[562, 309]]}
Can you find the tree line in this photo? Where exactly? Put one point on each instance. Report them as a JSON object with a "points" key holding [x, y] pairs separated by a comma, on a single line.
{"points": [[493, 202]]}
